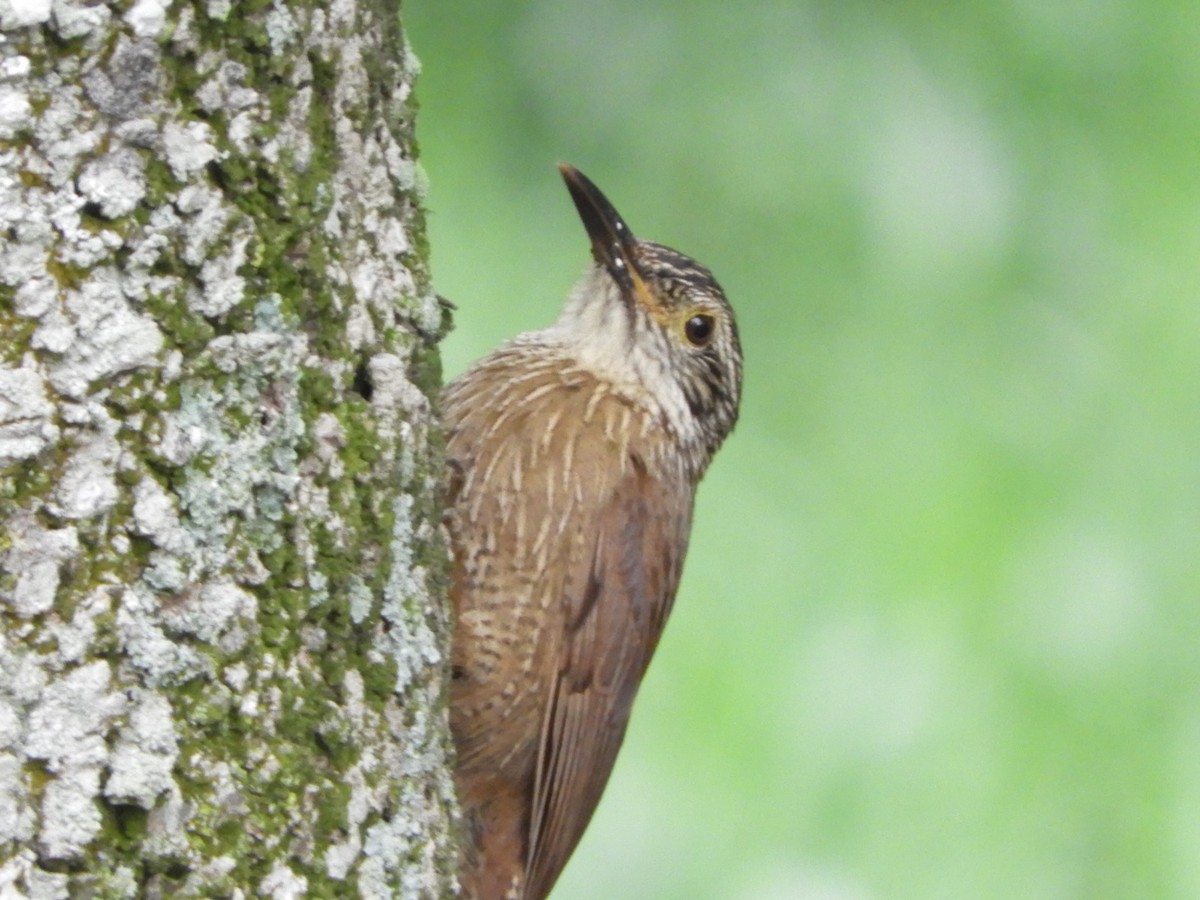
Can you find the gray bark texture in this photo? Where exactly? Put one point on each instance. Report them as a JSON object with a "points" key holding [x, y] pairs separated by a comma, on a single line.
{"points": [[222, 573]]}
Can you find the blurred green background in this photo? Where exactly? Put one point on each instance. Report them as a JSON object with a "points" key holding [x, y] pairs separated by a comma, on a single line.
{"points": [[939, 633]]}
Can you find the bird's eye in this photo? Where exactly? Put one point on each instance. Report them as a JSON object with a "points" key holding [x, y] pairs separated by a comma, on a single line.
{"points": [[699, 330]]}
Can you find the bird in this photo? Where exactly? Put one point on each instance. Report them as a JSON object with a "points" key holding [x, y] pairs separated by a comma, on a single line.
{"points": [[573, 456]]}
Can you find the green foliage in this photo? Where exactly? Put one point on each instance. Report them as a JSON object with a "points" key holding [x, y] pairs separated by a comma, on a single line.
{"points": [[937, 632]]}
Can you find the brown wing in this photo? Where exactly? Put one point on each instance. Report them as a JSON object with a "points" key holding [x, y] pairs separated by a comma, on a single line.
{"points": [[617, 598]]}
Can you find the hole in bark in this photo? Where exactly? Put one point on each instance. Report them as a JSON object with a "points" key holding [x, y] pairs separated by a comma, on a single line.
{"points": [[362, 382], [129, 819]]}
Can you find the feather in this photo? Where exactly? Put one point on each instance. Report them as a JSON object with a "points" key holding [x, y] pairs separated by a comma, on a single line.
{"points": [[548, 656], [617, 600]]}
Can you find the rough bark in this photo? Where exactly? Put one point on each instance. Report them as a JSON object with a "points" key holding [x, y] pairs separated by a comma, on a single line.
{"points": [[221, 629]]}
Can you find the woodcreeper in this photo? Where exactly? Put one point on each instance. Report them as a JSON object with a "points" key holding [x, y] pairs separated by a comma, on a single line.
{"points": [[574, 455]]}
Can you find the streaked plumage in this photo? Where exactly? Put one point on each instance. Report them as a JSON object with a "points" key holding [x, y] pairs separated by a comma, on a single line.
{"points": [[574, 455]]}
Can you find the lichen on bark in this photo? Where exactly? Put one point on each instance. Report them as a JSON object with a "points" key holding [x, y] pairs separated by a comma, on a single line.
{"points": [[222, 635]]}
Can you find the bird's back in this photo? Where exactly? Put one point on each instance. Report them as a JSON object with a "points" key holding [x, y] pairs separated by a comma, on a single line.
{"points": [[569, 524]]}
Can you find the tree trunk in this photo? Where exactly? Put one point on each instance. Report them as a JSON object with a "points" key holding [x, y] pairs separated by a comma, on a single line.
{"points": [[222, 620]]}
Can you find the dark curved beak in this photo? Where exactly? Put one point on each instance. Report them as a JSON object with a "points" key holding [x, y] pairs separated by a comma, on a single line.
{"points": [[612, 241]]}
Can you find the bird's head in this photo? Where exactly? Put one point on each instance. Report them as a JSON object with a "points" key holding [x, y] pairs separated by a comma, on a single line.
{"points": [[656, 319]]}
